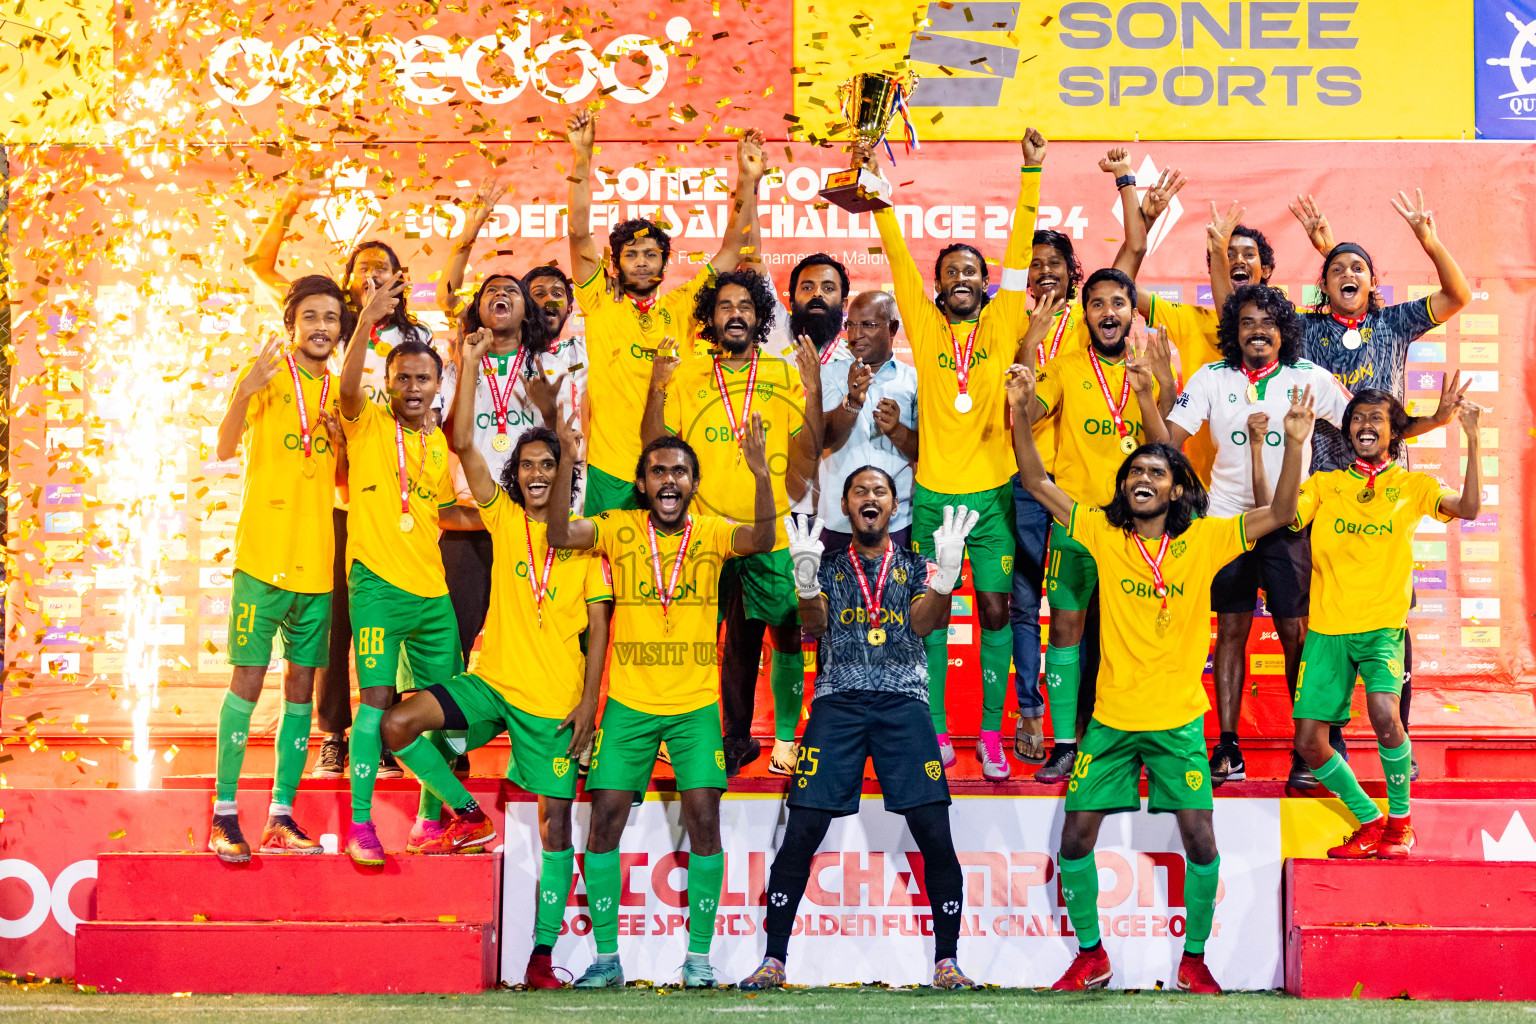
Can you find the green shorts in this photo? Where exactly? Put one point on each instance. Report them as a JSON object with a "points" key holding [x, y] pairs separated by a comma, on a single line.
{"points": [[1107, 775], [387, 620], [540, 761], [259, 611], [990, 546], [767, 583], [625, 749], [606, 492], [1329, 664], [1071, 574]]}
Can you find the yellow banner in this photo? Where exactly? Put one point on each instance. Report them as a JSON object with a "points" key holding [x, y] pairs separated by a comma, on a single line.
{"points": [[55, 70], [1209, 69]]}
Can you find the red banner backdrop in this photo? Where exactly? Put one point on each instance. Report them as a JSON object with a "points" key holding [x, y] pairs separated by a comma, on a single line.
{"points": [[117, 365]]}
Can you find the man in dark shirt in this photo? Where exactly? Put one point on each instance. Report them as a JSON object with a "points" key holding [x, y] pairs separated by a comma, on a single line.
{"points": [[870, 604]]}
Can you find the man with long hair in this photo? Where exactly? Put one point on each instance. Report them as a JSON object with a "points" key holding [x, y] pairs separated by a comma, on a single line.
{"points": [[1153, 538], [1363, 519], [624, 335], [283, 412], [1260, 371], [707, 399]]}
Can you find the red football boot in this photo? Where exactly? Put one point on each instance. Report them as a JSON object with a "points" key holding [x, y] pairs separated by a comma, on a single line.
{"points": [[1396, 839], [541, 973], [1089, 969], [1194, 976], [1363, 844]]}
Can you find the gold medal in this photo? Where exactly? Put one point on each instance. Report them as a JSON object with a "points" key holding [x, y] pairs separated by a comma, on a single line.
{"points": [[501, 442], [1251, 394], [1127, 444], [1164, 620], [666, 625], [646, 321], [309, 468], [876, 636], [407, 522], [1366, 495]]}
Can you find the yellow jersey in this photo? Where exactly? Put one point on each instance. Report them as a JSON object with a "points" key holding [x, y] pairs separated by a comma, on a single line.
{"points": [[1192, 333], [1074, 338], [696, 413], [536, 665], [285, 537], [664, 664], [1362, 551], [621, 343], [1087, 446], [1147, 681], [970, 451], [410, 559]]}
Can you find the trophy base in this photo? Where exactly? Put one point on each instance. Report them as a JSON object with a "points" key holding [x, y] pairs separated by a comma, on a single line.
{"points": [[857, 191]]}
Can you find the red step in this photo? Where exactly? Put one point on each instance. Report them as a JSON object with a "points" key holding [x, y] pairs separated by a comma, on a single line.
{"points": [[284, 957], [324, 887], [1439, 893], [1424, 963]]}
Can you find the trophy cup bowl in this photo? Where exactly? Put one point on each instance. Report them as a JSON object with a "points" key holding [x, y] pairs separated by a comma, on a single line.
{"points": [[869, 102]]}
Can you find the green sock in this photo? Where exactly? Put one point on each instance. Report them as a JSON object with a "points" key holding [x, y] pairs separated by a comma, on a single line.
{"points": [[1338, 776], [787, 678], [292, 751], [1080, 888], [1063, 674], [234, 729], [996, 656], [365, 748], [604, 885], [936, 646], [555, 872], [705, 877], [426, 762], [1200, 903], [1396, 763]]}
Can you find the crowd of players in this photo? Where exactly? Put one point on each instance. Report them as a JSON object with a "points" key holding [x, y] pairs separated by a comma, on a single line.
{"points": [[745, 472]]}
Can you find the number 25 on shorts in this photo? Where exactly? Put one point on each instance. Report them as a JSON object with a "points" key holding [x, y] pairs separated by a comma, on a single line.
{"points": [[370, 640], [808, 762]]}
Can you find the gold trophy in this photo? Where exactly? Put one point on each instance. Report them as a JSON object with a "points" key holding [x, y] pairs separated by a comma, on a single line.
{"points": [[869, 102]]}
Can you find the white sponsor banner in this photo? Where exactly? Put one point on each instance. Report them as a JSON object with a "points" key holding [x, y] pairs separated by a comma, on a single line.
{"points": [[865, 915]]}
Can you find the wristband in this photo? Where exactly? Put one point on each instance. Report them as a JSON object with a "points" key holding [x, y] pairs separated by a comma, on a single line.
{"points": [[1124, 180]]}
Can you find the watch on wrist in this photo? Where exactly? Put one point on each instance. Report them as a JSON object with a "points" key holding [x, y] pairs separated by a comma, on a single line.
{"points": [[1124, 180]]}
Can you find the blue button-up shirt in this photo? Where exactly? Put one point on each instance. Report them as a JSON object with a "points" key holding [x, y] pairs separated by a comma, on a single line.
{"points": [[866, 446]]}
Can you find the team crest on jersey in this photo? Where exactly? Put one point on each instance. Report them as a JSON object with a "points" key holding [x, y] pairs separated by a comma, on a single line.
{"points": [[720, 759], [437, 456], [1393, 493], [1294, 394], [1177, 550], [287, 398], [1194, 779], [934, 770], [561, 766], [1087, 386], [1007, 561], [1230, 398], [1395, 667], [900, 576], [839, 576], [563, 554]]}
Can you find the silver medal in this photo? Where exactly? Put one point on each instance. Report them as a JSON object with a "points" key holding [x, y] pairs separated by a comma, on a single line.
{"points": [[1352, 339]]}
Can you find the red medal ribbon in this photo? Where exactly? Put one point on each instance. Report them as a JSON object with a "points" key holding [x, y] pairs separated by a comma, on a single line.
{"points": [[665, 596], [1159, 587], [405, 484], [1254, 376], [829, 351], [1347, 322], [738, 430], [305, 438], [643, 305], [963, 360], [540, 588], [1116, 412], [873, 599], [498, 402], [1371, 472], [1061, 331]]}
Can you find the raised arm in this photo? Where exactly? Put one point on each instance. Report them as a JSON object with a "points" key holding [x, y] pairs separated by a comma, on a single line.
{"points": [[1469, 502], [471, 348], [377, 302], [1306, 210], [1453, 398], [653, 422], [568, 533], [931, 610], [260, 374], [757, 538], [1169, 184], [1032, 475], [839, 422], [1218, 238], [1138, 366], [1258, 427], [452, 278], [804, 536], [749, 171], [271, 285], [581, 130], [1454, 293], [1281, 510], [1134, 247]]}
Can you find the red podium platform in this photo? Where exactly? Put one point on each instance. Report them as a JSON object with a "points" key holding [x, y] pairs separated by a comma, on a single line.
{"points": [[1430, 929], [316, 924]]}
